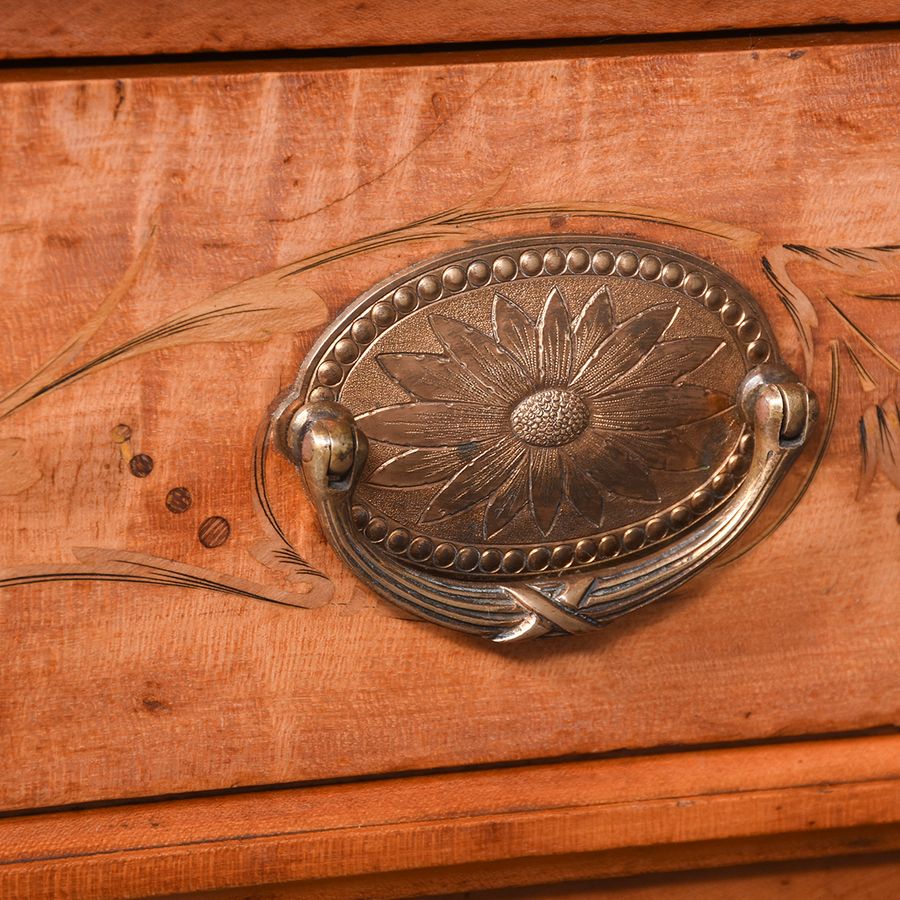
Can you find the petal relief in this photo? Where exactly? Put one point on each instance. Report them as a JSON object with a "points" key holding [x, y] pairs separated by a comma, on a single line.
{"points": [[428, 376], [475, 481], [555, 351], [668, 361], [624, 349], [507, 502], [545, 487], [585, 494], [593, 324], [515, 331], [665, 451], [649, 409], [608, 460], [484, 359], [423, 466], [434, 424]]}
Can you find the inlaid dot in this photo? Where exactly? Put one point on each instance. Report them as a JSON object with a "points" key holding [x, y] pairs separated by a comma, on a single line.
{"points": [[562, 556], [585, 551], [363, 331], [360, 516], [179, 500], [444, 555], [609, 546], [680, 517], [346, 351], [554, 260], [420, 549], [467, 559], [627, 263], [140, 465], [454, 278], [578, 260], [715, 297], [603, 262], [479, 272], [633, 538], [702, 500], [737, 464], [694, 284], [745, 444], [121, 433], [398, 540], [490, 561], [376, 530], [330, 373], [538, 559], [758, 352], [731, 313], [672, 274], [749, 330], [650, 268], [405, 299], [656, 529], [213, 532], [504, 268], [320, 394], [428, 288], [384, 314], [513, 561], [530, 262]]}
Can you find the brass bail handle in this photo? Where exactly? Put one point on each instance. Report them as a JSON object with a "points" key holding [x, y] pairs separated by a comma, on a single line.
{"points": [[536, 436], [329, 450]]}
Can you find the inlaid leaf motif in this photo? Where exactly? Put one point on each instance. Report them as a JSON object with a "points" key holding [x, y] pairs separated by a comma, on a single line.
{"points": [[879, 436]]}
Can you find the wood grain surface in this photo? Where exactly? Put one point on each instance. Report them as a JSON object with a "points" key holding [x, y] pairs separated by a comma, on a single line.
{"points": [[426, 835], [875, 878], [42, 28], [150, 218]]}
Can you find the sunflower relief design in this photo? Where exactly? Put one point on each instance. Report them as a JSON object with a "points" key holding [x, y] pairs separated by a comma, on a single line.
{"points": [[540, 414]]}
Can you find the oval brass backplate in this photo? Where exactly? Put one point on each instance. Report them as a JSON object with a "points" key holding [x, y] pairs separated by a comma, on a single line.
{"points": [[536, 436]]}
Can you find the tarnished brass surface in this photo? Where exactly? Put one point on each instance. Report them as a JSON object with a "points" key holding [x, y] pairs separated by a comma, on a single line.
{"points": [[537, 436]]}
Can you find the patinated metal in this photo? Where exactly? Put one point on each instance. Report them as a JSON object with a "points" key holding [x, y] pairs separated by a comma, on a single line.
{"points": [[537, 436]]}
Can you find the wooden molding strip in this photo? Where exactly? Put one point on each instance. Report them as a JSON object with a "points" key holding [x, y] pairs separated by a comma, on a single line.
{"points": [[679, 810], [44, 28]]}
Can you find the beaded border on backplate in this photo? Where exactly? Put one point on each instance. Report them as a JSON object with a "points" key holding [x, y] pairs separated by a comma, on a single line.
{"points": [[384, 306]]}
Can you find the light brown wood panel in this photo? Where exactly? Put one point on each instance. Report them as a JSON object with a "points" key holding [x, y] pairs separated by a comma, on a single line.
{"points": [[42, 28], [428, 834], [134, 198]]}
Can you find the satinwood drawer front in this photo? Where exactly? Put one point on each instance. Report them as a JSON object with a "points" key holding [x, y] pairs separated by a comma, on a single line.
{"points": [[174, 241]]}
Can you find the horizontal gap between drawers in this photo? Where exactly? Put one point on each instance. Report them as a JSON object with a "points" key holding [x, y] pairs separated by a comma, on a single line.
{"points": [[162, 65], [660, 750]]}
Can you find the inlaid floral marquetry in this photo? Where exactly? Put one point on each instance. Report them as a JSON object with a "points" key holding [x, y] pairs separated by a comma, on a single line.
{"points": [[540, 406]]}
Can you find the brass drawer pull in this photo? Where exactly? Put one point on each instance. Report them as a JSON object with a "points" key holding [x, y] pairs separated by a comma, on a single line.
{"points": [[538, 436]]}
